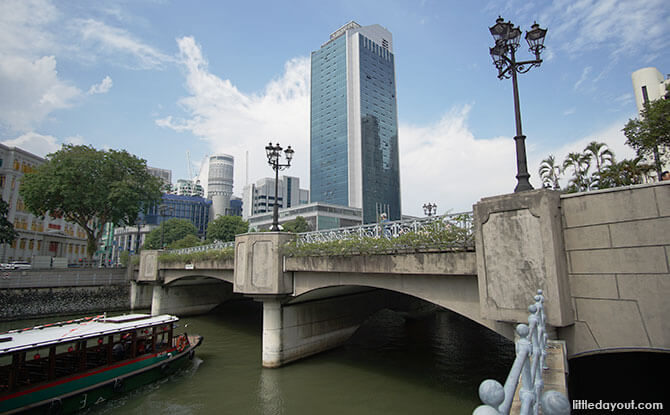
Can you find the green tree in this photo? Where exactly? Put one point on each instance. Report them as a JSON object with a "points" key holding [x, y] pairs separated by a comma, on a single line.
{"points": [[7, 232], [171, 230], [649, 135], [297, 225], [90, 187], [186, 242], [550, 173], [580, 167], [601, 155], [224, 228]]}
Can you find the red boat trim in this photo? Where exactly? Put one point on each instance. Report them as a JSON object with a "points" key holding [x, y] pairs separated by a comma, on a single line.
{"points": [[83, 375]]}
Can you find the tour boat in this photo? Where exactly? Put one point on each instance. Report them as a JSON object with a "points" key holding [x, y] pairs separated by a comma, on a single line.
{"points": [[68, 366]]}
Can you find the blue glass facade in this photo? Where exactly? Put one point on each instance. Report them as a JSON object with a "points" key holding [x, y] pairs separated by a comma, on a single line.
{"points": [[330, 136], [194, 208], [329, 181], [379, 132]]}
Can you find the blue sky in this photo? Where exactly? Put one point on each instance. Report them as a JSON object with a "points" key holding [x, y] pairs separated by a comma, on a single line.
{"points": [[160, 78]]}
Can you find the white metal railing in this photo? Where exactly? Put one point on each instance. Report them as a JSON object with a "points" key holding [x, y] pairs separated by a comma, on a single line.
{"points": [[462, 221], [202, 248], [529, 363]]}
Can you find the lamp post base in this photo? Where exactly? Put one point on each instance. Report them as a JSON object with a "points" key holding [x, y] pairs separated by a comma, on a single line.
{"points": [[521, 165]]}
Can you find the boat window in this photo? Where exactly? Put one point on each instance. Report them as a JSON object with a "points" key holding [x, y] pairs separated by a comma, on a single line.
{"points": [[144, 340], [34, 368], [96, 352], [66, 359], [122, 346], [5, 369]]}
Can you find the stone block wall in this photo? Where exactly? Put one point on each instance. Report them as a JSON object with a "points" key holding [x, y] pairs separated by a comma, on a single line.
{"points": [[23, 303], [617, 243]]}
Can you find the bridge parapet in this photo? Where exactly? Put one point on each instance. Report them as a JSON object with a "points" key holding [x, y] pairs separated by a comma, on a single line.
{"points": [[426, 263], [258, 264]]}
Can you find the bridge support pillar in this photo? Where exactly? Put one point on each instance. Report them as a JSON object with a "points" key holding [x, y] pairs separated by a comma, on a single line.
{"points": [[294, 331], [186, 300], [140, 295]]}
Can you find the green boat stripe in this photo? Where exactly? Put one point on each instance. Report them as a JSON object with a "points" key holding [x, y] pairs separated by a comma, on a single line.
{"points": [[83, 375]]}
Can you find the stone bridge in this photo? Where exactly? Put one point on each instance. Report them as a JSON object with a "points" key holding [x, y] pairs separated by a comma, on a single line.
{"points": [[600, 257]]}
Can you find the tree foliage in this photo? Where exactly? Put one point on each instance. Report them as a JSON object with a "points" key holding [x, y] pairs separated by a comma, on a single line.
{"points": [[297, 225], [90, 187], [649, 134], [224, 228], [172, 230], [624, 173], [186, 242], [7, 232]]}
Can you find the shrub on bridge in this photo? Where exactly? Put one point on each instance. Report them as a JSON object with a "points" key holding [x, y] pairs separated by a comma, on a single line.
{"points": [[441, 237], [212, 255]]}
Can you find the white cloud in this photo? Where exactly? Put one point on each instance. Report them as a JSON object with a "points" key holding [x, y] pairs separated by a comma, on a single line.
{"points": [[103, 87], [35, 143], [445, 164], [22, 25], [621, 26], [108, 39], [581, 80], [31, 90], [233, 122]]}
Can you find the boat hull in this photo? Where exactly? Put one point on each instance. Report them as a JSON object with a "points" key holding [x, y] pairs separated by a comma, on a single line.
{"points": [[93, 388]]}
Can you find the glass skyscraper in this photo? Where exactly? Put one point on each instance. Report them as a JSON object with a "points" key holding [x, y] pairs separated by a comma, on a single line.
{"points": [[354, 122]]}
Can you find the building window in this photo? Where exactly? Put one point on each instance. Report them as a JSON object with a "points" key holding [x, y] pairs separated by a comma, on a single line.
{"points": [[645, 96]]}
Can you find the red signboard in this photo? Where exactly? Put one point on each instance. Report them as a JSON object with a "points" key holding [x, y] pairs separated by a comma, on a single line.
{"points": [[54, 226]]}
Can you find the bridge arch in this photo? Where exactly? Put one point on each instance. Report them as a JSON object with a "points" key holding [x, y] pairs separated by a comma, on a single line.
{"points": [[458, 293]]}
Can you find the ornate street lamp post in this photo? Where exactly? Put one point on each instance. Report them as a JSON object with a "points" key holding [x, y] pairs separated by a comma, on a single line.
{"points": [[429, 209], [274, 155], [503, 53], [137, 242]]}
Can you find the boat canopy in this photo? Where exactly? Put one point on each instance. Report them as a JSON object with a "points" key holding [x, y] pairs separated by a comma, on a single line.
{"points": [[79, 329]]}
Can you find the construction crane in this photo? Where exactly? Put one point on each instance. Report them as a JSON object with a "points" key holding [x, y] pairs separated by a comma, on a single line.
{"points": [[188, 162]]}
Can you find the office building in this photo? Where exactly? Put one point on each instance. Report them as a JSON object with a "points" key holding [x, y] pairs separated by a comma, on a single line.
{"points": [[220, 183], [649, 85], [354, 122], [164, 174], [259, 197], [319, 216]]}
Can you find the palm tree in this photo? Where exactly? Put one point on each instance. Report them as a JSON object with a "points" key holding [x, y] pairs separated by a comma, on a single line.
{"points": [[602, 155], [550, 172], [625, 173], [580, 164]]}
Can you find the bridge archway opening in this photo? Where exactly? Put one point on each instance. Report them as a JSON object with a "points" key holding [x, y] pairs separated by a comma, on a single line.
{"points": [[407, 312], [620, 377], [432, 343]]}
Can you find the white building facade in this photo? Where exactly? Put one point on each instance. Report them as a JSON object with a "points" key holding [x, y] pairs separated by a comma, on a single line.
{"points": [[649, 85], [220, 183], [259, 197], [48, 236]]}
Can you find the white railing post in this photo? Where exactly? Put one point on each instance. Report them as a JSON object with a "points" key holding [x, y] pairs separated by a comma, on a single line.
{"points": [[529, 363]]}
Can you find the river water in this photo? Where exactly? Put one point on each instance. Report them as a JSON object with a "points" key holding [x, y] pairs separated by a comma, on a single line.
{"points": [[392, 365]]}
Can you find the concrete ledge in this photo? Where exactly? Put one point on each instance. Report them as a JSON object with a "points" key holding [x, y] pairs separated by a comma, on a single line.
{"points": [[432, 263]]}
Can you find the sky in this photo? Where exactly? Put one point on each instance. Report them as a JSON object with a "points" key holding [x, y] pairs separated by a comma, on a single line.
{"points": [[172, 80]]}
